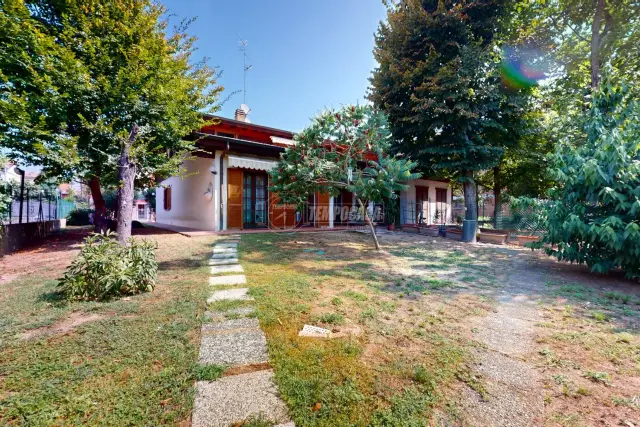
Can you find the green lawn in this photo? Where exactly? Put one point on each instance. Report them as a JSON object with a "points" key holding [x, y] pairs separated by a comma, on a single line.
{"points": [[407, 321], [134, 365], [404, 351]]}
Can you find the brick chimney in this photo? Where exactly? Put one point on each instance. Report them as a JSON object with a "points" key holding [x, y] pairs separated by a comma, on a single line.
{"points": [[241, 116]]}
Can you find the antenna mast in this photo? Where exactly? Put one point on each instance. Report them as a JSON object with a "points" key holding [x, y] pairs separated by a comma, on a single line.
{"points": [[243, 48]]}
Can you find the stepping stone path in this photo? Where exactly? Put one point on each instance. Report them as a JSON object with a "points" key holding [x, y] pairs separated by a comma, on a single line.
{"points": [[235, 268], [233, 339], [238, 279]]}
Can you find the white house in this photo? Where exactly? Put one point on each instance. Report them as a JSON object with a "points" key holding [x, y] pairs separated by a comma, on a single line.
{"points": [[226, 186]]}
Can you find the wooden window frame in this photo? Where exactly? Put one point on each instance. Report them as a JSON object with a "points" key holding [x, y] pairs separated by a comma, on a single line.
{"points": [[167, 198]]}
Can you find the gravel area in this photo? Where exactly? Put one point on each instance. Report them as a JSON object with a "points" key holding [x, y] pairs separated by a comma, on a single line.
{"points": [[514, 387], [232, 324], [232, 400], [230, 294], [234, 348]]}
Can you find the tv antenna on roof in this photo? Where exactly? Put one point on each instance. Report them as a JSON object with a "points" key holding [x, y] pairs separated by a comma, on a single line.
{"points": [[243, 48]]}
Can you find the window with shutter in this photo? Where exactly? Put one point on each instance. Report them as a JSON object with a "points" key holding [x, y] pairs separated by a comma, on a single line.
{"points": [[167, 199]]}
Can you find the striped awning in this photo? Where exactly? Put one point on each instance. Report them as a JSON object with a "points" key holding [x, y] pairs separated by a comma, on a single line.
{"points": [[251, 163]]}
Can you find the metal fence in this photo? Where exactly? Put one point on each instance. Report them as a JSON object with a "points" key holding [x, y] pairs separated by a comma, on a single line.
{"points": [[35, 205], [521, 219]]}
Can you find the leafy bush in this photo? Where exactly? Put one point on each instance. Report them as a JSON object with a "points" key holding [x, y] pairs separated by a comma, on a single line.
{"points": [[104, 269], [79, 217], [595, 214]]}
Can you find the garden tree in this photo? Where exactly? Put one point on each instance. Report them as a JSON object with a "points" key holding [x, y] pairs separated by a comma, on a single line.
{"points": [[438, 80], [132, 96], [33, 73], [355, 139], [595, 214], [522, 170], [584, 39]]}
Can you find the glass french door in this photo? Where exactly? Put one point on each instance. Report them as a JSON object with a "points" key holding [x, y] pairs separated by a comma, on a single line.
{"points": [[254, 198]]}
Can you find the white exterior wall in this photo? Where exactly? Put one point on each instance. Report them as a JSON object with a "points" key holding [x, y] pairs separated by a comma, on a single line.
{"points": [[190, 207], [409, 196]]}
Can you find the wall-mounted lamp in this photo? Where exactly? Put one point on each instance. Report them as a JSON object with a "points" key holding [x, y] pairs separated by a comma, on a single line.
{"points": [[209, 193]]}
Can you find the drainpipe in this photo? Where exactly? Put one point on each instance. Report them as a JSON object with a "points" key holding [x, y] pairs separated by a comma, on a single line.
{"points": [[224, 153]]}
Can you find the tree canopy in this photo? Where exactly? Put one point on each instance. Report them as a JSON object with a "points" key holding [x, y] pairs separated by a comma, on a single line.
{"points": [[99, 69], [347, 150], [595, 212], [439, 81]]}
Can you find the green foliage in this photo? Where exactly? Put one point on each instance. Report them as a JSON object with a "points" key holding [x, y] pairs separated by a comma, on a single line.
{"points": [[335, 142], [439, 83], [208, 372], [529, 214], [595, 216], [331, 318], [598, 377], [79, 216], [76, 77], [104, 269]]}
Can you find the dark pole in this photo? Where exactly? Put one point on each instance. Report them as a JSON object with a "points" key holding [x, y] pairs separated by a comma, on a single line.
{"points": [[27, 205], [21, 196]]}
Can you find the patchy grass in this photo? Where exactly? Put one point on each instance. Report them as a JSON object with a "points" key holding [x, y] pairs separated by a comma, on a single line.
{"points": [[590, 340], [392, 367], [135, 364]]}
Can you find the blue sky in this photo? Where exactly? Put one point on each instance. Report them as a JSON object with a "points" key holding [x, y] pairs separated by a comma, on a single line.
{"points": [[305, 55]]}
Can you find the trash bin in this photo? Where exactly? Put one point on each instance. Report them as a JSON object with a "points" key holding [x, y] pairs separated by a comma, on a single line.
{"points": [[469, 229]]}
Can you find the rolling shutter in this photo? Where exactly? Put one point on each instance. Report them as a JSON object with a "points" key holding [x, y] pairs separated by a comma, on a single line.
{"points": [[234, 198]]}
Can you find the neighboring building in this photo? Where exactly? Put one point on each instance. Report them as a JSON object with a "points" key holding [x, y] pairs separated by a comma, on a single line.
{"points": [[64, 190], [10, 173], [141, 210], [426, 202], [227, 184]]}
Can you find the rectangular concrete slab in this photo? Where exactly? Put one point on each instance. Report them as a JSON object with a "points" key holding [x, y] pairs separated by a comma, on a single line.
{"points": [[223, 261], [232, 400], [230, 294], [220, 269], [225, 255], [236, 279], [221, 250], [232, 324], [237, 348], [226, 245]]}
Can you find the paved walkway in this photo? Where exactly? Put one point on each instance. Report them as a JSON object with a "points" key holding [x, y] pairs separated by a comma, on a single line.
{"points": [[514, 387], [234, 342]]}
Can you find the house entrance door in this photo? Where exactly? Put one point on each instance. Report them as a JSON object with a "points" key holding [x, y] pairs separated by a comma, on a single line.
{"points": [[422, 205], [254, 199]]}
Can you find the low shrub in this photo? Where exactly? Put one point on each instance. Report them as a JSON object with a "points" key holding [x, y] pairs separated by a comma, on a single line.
{"points": [[104, 269], [79, 216]]}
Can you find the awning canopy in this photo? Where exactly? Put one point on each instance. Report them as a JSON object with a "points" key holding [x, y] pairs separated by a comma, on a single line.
{"points": [[251, 163]]}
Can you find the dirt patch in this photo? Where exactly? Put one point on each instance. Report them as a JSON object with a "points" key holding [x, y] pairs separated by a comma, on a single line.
{"points": [[49, 259], [246, 369], [62, 326]]}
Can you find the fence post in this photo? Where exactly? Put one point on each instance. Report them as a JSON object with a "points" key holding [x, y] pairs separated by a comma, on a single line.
{"points": [[28, 205], [21, 197], [40, 213]]}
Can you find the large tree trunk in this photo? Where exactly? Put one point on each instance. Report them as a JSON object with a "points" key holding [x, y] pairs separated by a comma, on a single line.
{"points": [[370, 223], [497, 193], [99, 206], [126, 177], [471, 206], [596, 37]]}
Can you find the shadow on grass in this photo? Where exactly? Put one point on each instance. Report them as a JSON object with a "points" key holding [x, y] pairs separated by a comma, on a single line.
{"points": [[55, 298]]}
